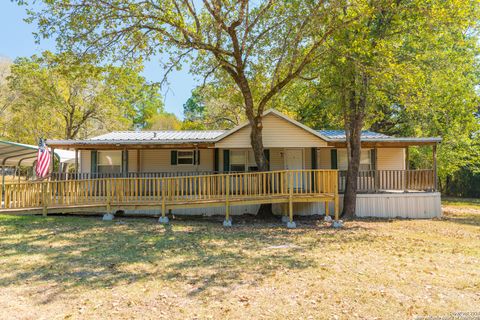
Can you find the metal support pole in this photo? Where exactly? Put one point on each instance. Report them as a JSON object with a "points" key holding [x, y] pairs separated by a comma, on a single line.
{"points": [[377, 176], [3, 179], [435, 177]]}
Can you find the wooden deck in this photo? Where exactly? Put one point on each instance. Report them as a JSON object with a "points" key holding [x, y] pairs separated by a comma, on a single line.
{"points": [[112, 194]]}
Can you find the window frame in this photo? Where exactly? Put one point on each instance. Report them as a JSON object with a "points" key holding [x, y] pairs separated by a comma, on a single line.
{"points": [[247, 156], [99, 165], [342, 160], [192, 157]]}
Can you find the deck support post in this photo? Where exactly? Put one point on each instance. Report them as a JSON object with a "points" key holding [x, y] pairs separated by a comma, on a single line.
{"points": [[163, 218], [227, 222], [44, 199], [108, 216], [290, 224], [327, 212], [337, 223]]}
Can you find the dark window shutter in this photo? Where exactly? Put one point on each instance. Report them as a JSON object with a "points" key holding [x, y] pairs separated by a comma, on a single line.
{"points": [[333, 158], [198, 157], [373, 159], [266, 153], [125, 161], [93, 161], [215, 160], [226, 160], [314, 158], [173, 157]]}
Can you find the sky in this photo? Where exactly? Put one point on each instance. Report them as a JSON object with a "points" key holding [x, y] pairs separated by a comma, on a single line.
{"points": [[16, 40]]}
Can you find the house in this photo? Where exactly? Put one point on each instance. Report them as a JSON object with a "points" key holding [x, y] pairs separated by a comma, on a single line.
{"points": [[387, 186]]}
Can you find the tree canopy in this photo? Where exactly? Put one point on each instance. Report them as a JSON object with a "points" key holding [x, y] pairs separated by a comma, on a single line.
{"points": [[65, 96]]}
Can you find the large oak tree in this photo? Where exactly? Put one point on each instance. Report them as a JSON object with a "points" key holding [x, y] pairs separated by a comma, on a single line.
{"points": [[266, 43]]}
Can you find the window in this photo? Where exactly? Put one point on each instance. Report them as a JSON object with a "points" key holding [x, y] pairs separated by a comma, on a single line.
{"points": [[237, 160], [365, 159], [185, 157], [242, 160], [109, 161]]}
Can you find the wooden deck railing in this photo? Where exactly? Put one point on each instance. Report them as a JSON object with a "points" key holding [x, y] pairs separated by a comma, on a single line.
{"points": [[391, 180], [180, 191], [100, 175]]}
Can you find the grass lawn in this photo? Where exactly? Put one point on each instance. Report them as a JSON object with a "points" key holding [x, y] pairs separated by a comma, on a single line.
{"points": [[80, 267]]}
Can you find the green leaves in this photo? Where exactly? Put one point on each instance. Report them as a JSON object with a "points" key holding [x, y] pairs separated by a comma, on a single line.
{"points": [[68, 96]]}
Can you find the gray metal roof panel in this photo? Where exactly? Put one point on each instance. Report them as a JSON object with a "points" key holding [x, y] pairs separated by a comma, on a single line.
{"points": [[160, 136], [339, 135]]}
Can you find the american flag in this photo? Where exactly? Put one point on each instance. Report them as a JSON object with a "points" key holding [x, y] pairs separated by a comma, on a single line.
{"points": [[43, 160]]}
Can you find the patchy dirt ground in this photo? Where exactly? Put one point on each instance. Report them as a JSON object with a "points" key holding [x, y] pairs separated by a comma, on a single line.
{"points": [[83, 268]]}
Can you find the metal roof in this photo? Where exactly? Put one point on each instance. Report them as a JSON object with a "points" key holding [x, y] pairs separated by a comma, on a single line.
{"points": [[14, 153], [211, 136], [169, 135], [339, 135]]}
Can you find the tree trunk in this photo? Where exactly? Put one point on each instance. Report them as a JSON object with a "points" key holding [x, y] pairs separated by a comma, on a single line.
{"points": [[354, 119], [256, 141], [353, 129]]}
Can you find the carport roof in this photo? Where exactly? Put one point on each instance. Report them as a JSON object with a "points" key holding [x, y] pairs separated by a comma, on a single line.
{"points": [[13, 153]]}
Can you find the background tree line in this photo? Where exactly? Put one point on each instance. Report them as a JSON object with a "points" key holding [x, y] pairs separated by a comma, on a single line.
{"points": [[67, 96]]}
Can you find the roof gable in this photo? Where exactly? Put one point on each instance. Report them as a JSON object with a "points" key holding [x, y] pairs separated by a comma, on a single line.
{"points": [[278, 131], [280, 115]]}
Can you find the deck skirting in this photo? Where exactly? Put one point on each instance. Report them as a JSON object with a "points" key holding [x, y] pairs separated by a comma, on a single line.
{"points": [[415, 205]]}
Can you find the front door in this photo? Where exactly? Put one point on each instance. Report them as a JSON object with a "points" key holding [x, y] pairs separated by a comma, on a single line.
{"points": [[294, 161]]}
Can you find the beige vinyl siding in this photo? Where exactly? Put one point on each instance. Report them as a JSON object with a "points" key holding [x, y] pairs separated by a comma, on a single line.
{"points": [[132, 160], [277, 133], [324, 158], [158, 160], [391, 159], [276, 159], [85, 161]]}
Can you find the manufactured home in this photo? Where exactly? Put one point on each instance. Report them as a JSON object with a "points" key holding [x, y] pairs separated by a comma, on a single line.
{"points": [[305, 165]]}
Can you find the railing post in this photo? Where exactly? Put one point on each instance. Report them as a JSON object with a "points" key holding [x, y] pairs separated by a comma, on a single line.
{"points": [[44, 198], [108, 216], [227, 222]]}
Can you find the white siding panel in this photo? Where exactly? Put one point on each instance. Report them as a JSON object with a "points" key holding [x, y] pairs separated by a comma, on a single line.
{"points": [[277, 133], [391, 159], [422, 205], [85, 161]]}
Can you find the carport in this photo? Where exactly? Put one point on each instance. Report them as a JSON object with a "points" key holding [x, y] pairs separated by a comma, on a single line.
{"points": [[14, 155]]}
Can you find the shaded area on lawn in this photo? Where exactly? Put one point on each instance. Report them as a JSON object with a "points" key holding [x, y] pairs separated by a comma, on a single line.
{"points": [[84, 251]]}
